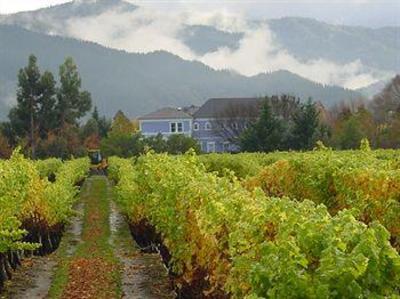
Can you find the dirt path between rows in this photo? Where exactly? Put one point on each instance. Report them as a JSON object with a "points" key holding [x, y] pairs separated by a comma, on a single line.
{"points": [[97, 258], [93, 271], [107, 264], [143, 274]]}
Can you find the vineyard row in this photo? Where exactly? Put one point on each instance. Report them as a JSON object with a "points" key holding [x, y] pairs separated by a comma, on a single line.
{"points": [[36, 201], [222, 237]]}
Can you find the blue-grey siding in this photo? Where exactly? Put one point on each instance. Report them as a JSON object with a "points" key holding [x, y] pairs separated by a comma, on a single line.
{"points": [[149, 127], [206, 138]]}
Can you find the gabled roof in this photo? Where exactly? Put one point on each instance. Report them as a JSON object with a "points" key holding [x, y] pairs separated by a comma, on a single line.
{"points": [[166, 113], [191, 110], [217, 107]]}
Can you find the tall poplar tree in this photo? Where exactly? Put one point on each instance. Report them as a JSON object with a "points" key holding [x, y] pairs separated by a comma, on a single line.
{"points": [[72, 101], [35, 102]]}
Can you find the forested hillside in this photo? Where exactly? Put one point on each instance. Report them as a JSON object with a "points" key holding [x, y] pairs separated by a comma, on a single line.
{"points": [[139, 83]]}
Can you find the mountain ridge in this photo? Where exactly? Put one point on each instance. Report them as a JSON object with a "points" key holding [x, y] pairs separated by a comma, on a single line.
{"points": [[306, 39], [140, 83]]}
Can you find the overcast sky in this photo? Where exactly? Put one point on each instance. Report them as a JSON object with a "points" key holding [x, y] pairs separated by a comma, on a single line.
{"points": [[375, 13]]}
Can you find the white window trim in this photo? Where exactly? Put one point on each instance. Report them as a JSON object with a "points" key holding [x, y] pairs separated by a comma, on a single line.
{"points": [[208, 126], [172, 124], [196, 126], [203, 145], [209, 144], [176, 127]]}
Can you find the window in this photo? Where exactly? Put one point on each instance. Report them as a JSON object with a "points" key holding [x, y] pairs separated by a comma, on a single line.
{"points": [[204, 146], [176, 127], [172, 127], [226, 146], [196, 126], [208, 126], [180, 127], [235, 126], [210, 147]]}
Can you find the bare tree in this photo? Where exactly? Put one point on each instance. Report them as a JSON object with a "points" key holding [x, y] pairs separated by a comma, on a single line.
{"points": [[387, 103], [344, 109], [284, 106], [235, 119]]}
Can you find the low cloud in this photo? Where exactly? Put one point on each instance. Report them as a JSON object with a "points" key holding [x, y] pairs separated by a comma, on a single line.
{"points": [[145, 30], [258, 52], [140, 31]]}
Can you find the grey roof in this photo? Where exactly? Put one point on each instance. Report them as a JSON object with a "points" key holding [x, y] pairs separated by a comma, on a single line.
{"points": [[191, 110], [217, 107], [166, 113]]}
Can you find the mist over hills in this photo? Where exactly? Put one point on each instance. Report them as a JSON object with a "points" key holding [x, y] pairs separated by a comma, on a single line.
{"points": [[310, 39], [38, 20], [305, 39], [139, 83], [265, 57]]}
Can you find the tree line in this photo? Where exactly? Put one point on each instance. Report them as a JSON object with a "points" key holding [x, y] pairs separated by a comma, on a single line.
{"points": [[47, 112], [47, 121], [377, 120], [285, 123]]}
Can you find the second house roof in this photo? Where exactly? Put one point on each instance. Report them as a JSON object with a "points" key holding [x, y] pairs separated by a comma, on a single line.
{"points": [[217, 107]]}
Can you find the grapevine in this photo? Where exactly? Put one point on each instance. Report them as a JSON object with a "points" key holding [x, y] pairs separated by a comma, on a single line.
{"points": [[221, 240], [33, 209]]}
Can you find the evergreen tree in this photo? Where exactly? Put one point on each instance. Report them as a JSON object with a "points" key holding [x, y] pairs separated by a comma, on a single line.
{"points": [[73, 103], [265, 135], [47, 114], [90, 128], [95, 114], [34, 113], [305, 126], [104, 125]]}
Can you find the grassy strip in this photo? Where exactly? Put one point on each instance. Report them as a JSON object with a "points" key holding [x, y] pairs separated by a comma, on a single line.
{"points": [[93, 271], [60, 278]]}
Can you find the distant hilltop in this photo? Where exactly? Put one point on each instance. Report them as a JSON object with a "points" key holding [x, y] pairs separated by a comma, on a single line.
{"points": [[195, 61]]}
